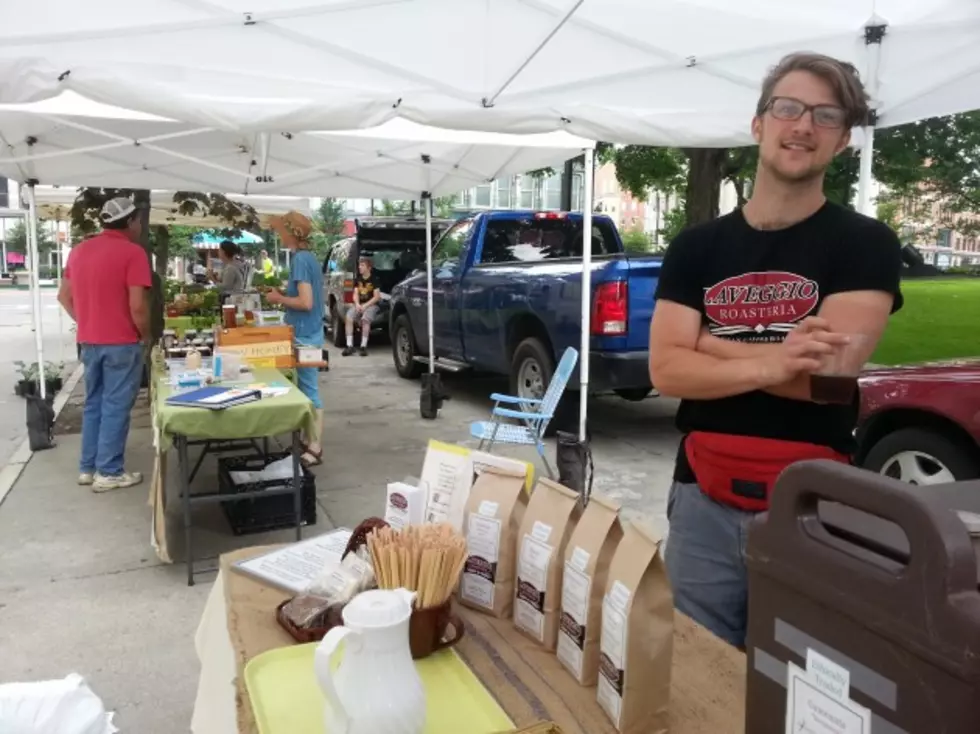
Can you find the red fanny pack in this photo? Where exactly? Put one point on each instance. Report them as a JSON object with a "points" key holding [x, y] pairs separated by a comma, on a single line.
{"points": [[740, 470]]}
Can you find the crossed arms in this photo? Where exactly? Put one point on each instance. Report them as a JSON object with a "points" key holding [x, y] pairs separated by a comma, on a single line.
{"points": [[687, 362]]}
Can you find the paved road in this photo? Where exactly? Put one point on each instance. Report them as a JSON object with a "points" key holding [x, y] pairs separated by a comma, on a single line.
{"points": [[17, 343]]}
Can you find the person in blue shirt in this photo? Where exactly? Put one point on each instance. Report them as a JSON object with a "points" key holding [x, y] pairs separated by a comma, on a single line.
{"points": [[303, 301]]}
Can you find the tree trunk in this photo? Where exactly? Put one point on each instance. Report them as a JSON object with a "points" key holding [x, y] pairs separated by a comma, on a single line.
{"points": [[705, 169], [161, 239], [141, 198]]}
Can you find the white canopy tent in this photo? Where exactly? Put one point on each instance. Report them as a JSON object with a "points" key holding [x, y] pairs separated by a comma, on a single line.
{"points": [[661, 72], [59, 142], [71, 139]]}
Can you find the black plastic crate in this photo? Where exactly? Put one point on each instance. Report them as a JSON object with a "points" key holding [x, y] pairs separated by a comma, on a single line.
{"points": [[260, 514]]}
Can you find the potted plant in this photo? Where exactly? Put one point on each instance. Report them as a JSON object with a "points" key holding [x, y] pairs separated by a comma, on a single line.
{"points": [[29, 374], [53, 380], [27, 384]]}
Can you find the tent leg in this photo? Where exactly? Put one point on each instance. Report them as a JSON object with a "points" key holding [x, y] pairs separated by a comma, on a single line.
{"points": [[433, 394], [35, 286], [583, 364]]}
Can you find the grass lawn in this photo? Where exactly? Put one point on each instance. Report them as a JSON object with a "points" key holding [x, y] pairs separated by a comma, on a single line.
{"points": [[940, 320]]}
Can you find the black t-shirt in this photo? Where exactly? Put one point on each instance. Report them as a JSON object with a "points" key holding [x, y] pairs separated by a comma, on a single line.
{"points": [[364, 288], [754, 286]]}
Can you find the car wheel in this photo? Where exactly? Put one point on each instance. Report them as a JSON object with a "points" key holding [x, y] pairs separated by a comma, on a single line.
{"points": [[922, 457], [531, 369], [403, 349], [634, 394], [339, 330]]}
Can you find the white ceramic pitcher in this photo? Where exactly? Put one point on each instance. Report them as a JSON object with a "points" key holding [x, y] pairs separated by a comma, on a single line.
{"points": [[375, 689]]}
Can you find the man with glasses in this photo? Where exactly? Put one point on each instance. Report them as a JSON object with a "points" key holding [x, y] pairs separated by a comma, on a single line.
{"points": [[748, 306]]}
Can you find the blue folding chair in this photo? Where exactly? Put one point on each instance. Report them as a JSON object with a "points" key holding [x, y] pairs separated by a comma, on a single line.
{"points": [[534, 414]]}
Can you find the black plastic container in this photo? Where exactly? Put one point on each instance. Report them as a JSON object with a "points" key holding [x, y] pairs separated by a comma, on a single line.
{"points": [[262, 514], [901, 615]]}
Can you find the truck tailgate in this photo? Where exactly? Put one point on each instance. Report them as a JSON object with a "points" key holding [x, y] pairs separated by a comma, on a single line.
{"points": [[644, 273]]}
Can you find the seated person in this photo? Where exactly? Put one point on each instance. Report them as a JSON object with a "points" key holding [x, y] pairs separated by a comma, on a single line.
{"points": [[367, 295]]}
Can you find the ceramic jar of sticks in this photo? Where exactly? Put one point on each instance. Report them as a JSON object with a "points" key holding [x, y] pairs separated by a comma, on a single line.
{"points": [[426, 559]]}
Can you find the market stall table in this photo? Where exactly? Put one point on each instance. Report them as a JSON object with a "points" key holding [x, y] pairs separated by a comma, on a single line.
{"points": [[217, 431], [707, 682]]}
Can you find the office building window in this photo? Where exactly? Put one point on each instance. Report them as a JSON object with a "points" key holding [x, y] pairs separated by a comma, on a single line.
{"points": [[527, 184], [481, 196], [551, 193], [503, 193]]}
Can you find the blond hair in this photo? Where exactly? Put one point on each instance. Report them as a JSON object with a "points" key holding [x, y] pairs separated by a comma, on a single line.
{"points": [[842, 77]]}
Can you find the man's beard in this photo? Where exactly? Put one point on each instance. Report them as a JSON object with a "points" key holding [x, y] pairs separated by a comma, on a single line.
{"points": [[795, 178]]}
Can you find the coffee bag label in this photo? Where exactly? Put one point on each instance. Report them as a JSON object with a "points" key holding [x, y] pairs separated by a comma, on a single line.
{"points": [[532, 582], [480, 569], [576, 587], [612, 656]]}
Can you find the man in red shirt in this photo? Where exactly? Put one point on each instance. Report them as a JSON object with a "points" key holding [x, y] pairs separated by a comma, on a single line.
{"points": [[105, 290]]}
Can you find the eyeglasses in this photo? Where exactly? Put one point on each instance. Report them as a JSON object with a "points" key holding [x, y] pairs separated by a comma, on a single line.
{"points": [[823, 115]]}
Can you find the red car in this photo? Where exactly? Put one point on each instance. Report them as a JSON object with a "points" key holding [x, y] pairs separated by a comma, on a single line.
{"points": [[921, 423]]}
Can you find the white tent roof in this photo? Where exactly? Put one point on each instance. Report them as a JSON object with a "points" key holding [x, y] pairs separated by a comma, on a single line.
{"points": [[54, 203], [674, 72], [73, 142]]}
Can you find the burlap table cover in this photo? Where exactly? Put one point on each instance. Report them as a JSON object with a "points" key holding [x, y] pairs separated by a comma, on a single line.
{"points": [[707, 680]]}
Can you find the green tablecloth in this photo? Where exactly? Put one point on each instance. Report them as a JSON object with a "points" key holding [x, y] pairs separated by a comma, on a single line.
{"points": [[266, 417]]}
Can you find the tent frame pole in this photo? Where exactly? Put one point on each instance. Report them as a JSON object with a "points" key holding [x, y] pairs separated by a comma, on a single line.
{"points": [[491, 100], [874, 34], [35, 285], [584, 355]]}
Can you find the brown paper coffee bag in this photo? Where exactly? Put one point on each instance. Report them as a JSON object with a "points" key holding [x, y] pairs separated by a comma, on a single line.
{"points": [[493, 517], [587, 559], [636, 644], [548, 524]]}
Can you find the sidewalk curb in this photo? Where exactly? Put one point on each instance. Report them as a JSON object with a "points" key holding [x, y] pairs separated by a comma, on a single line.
{"points": [[10, 473]]}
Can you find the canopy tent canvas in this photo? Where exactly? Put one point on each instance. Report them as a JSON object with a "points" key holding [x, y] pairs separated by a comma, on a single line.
{"points": [[52, 143], [54, 203], [56, 142], [662, 72]]}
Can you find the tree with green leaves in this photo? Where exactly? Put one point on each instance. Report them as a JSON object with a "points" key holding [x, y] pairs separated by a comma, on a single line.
{"points": [[636, 241], [390, 208], [328, 225], [443, 206], [17, 239]]}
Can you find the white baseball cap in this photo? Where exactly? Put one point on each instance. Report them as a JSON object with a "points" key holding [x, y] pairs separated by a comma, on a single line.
{"points": [[116, 209]]}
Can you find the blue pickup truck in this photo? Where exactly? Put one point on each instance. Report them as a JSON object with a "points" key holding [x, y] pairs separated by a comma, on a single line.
{"points": [[507, 300]]}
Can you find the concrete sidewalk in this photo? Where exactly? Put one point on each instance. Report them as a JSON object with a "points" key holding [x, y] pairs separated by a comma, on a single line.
{"points": [[81, 589]]}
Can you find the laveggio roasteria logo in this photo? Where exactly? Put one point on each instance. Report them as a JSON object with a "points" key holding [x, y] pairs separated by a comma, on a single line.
{"points": [[755, 303]]}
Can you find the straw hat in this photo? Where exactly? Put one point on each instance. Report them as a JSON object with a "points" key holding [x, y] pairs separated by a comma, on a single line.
{"points": [[294, 228]]}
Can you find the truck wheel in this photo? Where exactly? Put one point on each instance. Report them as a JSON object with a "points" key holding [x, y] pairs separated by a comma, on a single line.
{"points": [[920, 456], [531, 369], [339, 329], [403, 349], [634, 394]]}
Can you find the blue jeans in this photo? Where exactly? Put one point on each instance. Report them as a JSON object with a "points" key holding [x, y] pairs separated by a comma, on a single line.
{"points": [[308, 378], [112, 381], [705, 559]]}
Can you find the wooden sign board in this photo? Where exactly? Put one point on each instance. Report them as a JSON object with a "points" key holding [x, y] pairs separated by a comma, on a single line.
{"points": [[260, 346]]}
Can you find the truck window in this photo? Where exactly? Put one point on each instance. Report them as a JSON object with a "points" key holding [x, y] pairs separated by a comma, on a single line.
{"points": [[447, 250], [534, 240]]}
